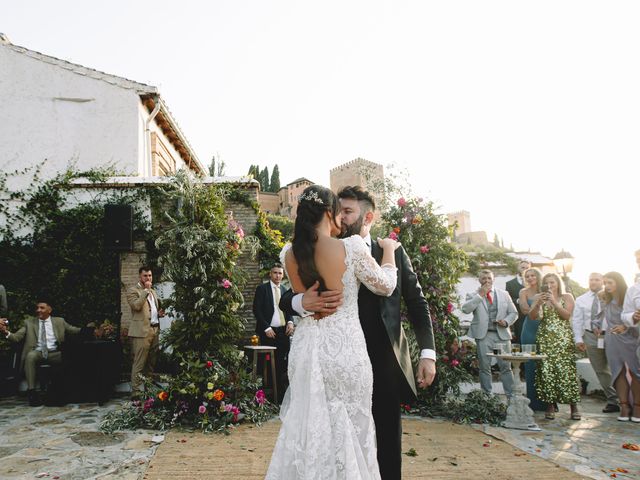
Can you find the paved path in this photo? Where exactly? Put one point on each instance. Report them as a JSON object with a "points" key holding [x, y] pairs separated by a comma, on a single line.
{"points": [[65, 443]]}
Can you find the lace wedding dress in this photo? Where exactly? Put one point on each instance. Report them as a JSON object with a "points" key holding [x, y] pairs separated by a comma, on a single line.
{"points": [[327, 428]]}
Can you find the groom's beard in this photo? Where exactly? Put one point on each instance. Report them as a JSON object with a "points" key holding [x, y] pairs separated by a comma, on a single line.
{"points": [[353, 229]]}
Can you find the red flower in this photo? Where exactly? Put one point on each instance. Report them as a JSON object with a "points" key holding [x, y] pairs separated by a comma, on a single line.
{"points": [[163, 396], [209, 364], [424, 249], [450, 307], [397, 229], [455, 363]]}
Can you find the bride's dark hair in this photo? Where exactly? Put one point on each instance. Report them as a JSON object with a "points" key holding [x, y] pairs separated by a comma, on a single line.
{"points": [[314, 202]]}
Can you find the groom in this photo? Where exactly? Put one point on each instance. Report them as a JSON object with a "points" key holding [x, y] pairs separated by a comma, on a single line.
{"points": [[393, 381]]}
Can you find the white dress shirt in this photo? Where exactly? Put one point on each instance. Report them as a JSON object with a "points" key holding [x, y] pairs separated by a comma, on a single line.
{"points": [[296, 304], [275, 320], [52, 343], [151, 299], [581, 318], [631, 304]]}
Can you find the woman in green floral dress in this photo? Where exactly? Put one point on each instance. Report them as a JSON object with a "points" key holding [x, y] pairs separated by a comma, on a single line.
{"points": [[557, 376]]}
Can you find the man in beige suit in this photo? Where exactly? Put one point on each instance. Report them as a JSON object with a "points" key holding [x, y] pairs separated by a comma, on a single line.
{"points": [[144, 329], [43, 338]]}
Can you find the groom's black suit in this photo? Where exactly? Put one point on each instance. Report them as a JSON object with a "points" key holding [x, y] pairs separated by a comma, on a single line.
{"points": [[393, 379]]}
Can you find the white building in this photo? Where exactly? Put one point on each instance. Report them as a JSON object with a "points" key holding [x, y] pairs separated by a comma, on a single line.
{"points": [[71, 115]]}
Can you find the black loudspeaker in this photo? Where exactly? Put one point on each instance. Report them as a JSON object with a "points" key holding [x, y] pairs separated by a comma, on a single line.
{"points": [[118, 228]]}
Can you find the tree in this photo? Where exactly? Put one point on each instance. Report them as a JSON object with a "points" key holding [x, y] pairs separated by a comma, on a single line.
{"points": [[264, 179], [275, 179], [216, 169], [496, 241]]}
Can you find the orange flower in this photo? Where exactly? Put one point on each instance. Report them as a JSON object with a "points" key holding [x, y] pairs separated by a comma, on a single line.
{"points": [[163, 396], [218, 395], [397, 229]]}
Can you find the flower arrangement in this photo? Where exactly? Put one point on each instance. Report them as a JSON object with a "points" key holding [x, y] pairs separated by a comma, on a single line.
{"points": [[204, 394], [438, 263]]}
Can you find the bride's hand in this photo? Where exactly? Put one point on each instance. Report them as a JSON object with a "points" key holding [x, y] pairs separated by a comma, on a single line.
{"points": [[388, 243]]}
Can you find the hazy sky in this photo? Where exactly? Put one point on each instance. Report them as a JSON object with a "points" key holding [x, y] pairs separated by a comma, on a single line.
{"points": [[527, 114]]}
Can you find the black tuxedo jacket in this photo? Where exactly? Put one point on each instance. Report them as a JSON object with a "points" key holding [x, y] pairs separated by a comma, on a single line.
{"points": [[382, 326], [263, 306], [513, 288]]}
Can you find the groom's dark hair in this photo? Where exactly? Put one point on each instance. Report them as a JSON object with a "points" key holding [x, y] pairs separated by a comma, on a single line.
{"points": [[356, 192]]}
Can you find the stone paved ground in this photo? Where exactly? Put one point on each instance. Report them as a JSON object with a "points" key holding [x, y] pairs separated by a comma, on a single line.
{"points": [[65, 443]]}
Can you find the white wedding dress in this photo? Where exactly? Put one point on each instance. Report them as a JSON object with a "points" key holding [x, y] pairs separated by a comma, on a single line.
{"points": [[327, 428]]}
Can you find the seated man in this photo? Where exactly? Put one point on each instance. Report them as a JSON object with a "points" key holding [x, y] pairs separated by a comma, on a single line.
{"points": [[43, 337]]}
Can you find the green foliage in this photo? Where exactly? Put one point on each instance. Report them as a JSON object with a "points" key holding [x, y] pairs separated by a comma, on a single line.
{"points": [[476, 407], [480, 255], [269, 240], [438, 263], [284, 225], [198, 251], [207, 393], [274, 183]]}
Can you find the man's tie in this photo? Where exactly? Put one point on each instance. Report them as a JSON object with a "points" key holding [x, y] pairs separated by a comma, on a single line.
{"points": [[43, 341], [276, 294], [489, 299], [595, 323]]}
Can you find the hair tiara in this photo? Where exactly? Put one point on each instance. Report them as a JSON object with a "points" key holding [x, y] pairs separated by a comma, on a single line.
{"points": [[311, 196]]}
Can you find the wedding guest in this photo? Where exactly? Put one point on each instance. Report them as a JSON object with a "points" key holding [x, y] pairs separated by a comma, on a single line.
{"points": [[557, 375], [586, 331], [273, 326], [620, 343], [3, 301], [631, 308], [144, 329], [513, 287], [493, 313], [533, 281], [43, 337]]}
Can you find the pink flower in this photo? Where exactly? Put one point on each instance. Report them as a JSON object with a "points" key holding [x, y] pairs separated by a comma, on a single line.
{"points": [[148, 404], [455, 363], [233, 410], [401, 202], [393, 236], [225, 283], [240, 232], [260, 397], [450, 307], [424, 249], [202, 409]]}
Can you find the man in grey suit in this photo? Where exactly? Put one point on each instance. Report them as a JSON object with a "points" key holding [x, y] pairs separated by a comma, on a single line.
{"points": [[4, 308], [493, 313]]}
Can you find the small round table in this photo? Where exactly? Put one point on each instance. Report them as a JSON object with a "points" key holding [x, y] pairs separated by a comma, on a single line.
{"points": [[519, 415], [258, 349]]}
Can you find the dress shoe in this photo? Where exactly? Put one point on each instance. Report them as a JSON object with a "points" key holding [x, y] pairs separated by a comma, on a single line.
{"points": [[610, 408], [34, 398]]}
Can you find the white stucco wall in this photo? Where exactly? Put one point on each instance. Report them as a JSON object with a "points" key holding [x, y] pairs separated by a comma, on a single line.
{"points": [[49, 112]]}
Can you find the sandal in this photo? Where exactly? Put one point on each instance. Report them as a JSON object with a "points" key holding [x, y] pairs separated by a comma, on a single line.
{"points": [[623, 406], [550, 415]]}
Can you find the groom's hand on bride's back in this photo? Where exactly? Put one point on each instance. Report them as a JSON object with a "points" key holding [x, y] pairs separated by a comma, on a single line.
{"points": [[324, 303]]}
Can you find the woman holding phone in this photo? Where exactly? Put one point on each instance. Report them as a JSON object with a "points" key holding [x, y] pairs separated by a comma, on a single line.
{"points": [[557, 375], [533, 282]]}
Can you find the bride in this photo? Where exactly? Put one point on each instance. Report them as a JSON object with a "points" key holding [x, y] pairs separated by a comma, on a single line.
{"points": [[327, 428]]}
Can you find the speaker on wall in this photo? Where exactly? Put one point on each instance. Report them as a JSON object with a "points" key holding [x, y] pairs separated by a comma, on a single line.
{"points": [[118, 225]]}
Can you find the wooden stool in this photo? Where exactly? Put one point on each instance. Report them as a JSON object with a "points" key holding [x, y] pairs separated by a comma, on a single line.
{"points": [[258, 349]]}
